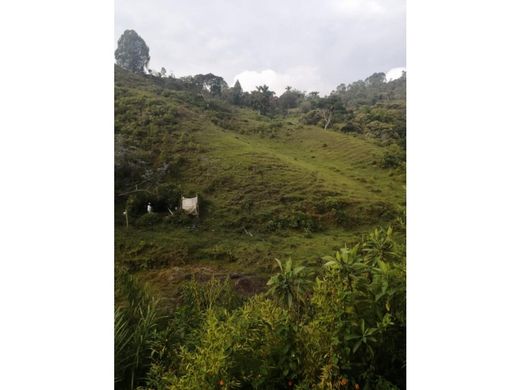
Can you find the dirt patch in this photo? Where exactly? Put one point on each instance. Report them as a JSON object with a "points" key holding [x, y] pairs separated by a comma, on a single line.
{"points": [[165, 282], [250, 285]]}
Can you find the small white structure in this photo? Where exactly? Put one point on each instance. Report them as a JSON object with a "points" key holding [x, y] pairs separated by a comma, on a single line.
{"points": [[149, 208], [190, 205]]}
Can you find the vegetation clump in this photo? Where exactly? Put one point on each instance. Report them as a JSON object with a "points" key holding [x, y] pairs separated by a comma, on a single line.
{"points": [[331, 328]]}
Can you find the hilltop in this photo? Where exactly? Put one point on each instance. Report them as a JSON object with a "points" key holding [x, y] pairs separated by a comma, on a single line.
{"points": [[272, 184]]}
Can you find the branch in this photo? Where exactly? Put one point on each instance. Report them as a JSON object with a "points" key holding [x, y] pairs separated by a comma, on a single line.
{"points": [[133, 191], [324, 114]]}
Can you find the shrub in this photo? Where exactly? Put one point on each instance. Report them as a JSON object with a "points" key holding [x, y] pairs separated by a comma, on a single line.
{"points": [[289, 285], [352, 127], [394, 157], [305, 107], [167, 197], [179, 218], [148, 219], [202, 296], [164, 197], [237, 350], [137, 202], [346, 327], [296, 220], [135, 325], [312, 118]]}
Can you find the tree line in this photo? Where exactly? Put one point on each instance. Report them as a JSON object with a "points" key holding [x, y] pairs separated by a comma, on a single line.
{"points": [[374, 106]]}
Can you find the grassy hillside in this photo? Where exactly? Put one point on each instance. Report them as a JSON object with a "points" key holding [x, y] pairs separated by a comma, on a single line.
{"points": [[270, 187], [188, 311]]}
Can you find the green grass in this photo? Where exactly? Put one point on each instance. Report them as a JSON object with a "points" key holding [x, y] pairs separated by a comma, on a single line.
{"points": [[254, 175]]}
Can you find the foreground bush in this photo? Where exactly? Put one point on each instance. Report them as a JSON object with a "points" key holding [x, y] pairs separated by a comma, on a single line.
{"points": [[344, 330]]}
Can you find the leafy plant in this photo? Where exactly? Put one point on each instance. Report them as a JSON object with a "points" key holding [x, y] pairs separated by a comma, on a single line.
{"points": [[289, 285], [379, 246], [135, 325], [348, 262]]}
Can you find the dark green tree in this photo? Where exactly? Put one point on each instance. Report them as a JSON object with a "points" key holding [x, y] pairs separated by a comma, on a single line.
{"points": [[263, 99], [132, 53], [291, 98], [376, 79], [236, 93], [211, 83]]}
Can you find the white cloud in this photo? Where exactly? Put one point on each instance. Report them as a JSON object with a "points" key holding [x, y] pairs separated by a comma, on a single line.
{"points": [[394, 73], [359, 7], [309, 45], [216, 44], [303, 78]]}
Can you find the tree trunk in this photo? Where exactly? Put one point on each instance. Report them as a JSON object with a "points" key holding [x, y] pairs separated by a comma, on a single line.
{"points": [[327, 123], [327, 116]]}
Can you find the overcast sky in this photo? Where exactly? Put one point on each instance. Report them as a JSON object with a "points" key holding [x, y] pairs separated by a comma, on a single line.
{"points": [[312, 45]]}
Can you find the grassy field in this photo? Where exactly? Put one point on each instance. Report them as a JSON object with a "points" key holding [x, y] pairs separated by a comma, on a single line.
{"points": [[270, 188]]}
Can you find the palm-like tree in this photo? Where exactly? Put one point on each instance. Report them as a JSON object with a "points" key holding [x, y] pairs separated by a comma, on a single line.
{"points": [[289, 285]]}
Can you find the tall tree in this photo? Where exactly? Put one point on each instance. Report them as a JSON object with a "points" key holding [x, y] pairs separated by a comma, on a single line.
{"points": [[236, 95], [132, 53], [376, 79], [290, 98], [262, 99], [211, 83]]}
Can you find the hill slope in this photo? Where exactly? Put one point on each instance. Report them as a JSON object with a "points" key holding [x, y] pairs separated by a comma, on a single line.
{"points": [[270, 187]]}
